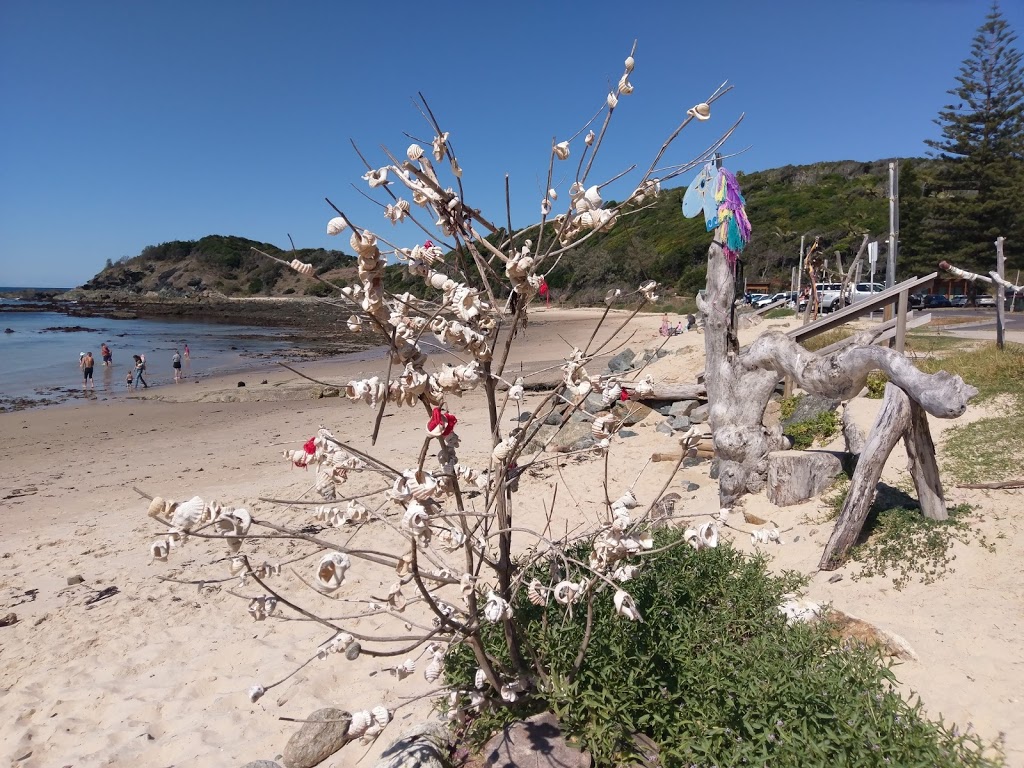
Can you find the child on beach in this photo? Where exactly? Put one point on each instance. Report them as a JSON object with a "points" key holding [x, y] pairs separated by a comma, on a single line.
{"points": [[129, 378], [108, 358]]}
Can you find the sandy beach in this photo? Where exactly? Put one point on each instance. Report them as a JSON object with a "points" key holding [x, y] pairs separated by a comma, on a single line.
{"points": [[157, 673]]}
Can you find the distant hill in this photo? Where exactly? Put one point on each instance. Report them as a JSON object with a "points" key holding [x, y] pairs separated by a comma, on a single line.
{"points": [[838, 201]]}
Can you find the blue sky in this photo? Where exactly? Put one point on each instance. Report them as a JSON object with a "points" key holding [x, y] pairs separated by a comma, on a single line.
{"points": [[126, 124]]}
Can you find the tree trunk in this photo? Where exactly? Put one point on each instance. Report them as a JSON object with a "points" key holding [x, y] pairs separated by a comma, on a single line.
{"points": [[796, 476]]}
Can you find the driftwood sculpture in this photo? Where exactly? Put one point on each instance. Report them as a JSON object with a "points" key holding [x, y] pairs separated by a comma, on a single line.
{"points": [[739, 386]]}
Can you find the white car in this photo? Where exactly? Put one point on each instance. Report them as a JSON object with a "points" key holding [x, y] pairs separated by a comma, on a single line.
{"points": [[985, 301], [865, 290]]}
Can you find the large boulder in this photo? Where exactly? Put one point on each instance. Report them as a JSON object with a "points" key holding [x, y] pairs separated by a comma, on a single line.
{"points": [[535, 742], [324, 734], [622, 361]]}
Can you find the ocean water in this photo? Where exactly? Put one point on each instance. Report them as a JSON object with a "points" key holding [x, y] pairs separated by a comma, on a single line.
{"points": [[39, 357]]}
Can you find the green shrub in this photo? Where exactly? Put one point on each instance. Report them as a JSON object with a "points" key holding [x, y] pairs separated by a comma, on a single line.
{"points": [[713, 675], [876, 385], [779, 313], [822, 428]]}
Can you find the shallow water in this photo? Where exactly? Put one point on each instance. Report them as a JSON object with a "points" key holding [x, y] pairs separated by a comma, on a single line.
{"points": [[39, 359]]}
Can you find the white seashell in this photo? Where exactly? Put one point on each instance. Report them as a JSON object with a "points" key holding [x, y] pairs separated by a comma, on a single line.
{"points": [[723, 515], [625, 87], [262, 607], [433, 670], [626, 572], [624, 606], [589, 139], [414, 152], [381, 715], [620, 519], [553, 194], [508, 693], [561, 150], [360, 722], [188, 514], [701, 111], [157, 507], [256, 693], [602, 426], [336, 225], [236, 566], [611, 393], [515, 392], [644, 387], [692, 537], [404, 669], [536, 593], [159, 550], [630, 63], [376, 178], [415, 517], [330, 573], [440, 144], [301, 267], [545, 207], [371, 733], [395, 597], [355, 324], [566, 591], [496, 608], [422, 485], [613, 100], [612, 295], [708, 533]]}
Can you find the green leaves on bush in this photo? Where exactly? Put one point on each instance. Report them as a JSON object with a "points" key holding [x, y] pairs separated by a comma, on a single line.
{"points": [[713, 675], [821, 428]]}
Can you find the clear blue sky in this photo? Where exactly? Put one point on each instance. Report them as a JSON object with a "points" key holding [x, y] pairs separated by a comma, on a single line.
{"points": [[126, 124]]}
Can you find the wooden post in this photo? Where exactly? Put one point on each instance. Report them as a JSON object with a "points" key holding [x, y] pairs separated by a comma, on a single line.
{"points": [[1000, 295], [901, 321], [924, 469]]}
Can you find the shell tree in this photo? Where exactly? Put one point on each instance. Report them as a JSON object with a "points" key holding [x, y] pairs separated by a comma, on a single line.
{"points": [[448, 522]]}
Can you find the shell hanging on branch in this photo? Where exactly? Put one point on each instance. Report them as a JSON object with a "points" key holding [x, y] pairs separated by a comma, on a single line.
{"points": [[303, 268], [262, 607], [330, 573], [336, 225], [625, 606]]}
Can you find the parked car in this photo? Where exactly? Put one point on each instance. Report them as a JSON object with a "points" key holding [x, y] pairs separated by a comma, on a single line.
{"points": [[763, 301], [828, 297], [917, 300], [985, 301], [865, 290], [958, 301], [935, 301]]}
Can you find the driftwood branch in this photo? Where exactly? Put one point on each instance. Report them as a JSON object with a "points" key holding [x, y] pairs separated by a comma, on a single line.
{"points": [[1006, 484]]}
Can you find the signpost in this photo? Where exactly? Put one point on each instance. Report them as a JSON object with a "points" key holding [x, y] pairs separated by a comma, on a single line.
{"points": [[873, 260]]}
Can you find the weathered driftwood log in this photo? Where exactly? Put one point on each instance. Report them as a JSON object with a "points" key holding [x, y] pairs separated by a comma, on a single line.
{"points": [[994, 486], [852, 434], [899, 417], [739, 385], [672, 392], [796, 476]]}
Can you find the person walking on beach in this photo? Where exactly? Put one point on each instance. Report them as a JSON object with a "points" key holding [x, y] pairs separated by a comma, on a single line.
{"points": [[187, 355], [176, 364], [105, 352], [86, 363], [140, 368]]}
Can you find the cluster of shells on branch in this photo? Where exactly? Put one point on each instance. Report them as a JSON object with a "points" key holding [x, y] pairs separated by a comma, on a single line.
{"points": [[192, 515]]}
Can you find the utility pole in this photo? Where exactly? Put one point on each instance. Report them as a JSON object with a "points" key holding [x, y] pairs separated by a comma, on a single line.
{"points": [[800, 271], [894, 224], [1000, 294]]}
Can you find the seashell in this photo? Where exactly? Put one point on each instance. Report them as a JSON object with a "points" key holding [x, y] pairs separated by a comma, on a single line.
{"points": [[566, 591], [236, 566], [625, 87], [415, 518], [644, 387], [422, 485], [355, 324], [330, 573], [692, 537], [157, 507], [515, 392], [589, 138], [404, 565], [611, 393], [256, 693], [371, 733], [612, 100], [545, 207], [561, 150], [361, 720], [336, 225], [159, 550], [601, 428], [262, 607], [708, 534], [440, 144], [502, 450], [188, 514], [395, 597], [537, 593], [723, 515], [404, 669], [630, 63], [612, 295], [620, 519], [301, 267], [553, 194], [624, 606], [381, 715], [414, 152], [626, 572], [433, 670], [376, 178], [701, 111], [496, 608], [508, 693], [353, 650]]}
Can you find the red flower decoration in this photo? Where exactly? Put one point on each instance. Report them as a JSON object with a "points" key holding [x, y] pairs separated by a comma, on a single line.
{"points": [[441, 424], [310, 446], [624, 395], [428, 244]]}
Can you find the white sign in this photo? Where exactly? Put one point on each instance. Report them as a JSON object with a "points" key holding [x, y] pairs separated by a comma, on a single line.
{"points": [[873, 252]]}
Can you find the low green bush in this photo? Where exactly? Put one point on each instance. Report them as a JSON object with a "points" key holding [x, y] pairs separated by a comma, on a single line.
{"points": [[821, 428], [876, 385], [713, 675]]}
